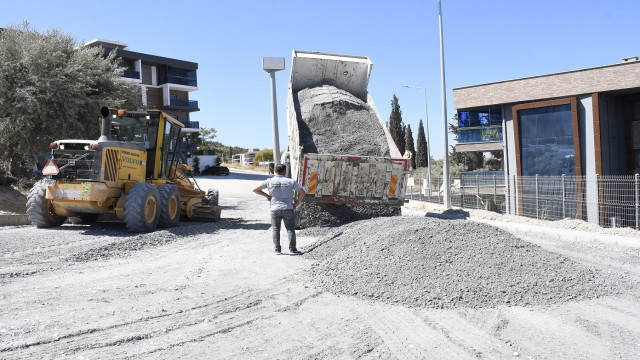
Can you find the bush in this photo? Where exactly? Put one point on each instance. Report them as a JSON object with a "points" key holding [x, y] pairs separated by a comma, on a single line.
{"points": [[263, 155]]}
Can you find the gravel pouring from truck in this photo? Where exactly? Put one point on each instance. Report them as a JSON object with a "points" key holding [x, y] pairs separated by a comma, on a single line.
{"points": [[340, 151]]}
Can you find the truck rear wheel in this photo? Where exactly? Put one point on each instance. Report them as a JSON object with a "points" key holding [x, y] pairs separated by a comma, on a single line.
{"points": [[40, 210], [170, 205], [141, 208]]}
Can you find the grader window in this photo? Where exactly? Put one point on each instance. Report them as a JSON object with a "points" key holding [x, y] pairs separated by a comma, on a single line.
{"points": [[169, 146], [136, 128]]}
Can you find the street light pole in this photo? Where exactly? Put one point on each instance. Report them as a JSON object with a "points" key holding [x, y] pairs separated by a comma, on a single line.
{"points": [[274, 108], [272, 65], [426, 114], [445, 162]]}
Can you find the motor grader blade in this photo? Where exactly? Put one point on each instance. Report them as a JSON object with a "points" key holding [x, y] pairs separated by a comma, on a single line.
{"points": [[203, 207], [206, 213]]}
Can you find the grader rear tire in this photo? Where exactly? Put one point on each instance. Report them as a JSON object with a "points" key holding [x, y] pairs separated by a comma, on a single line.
{"points": [[170, 206], [40, 210], [141, 208]]}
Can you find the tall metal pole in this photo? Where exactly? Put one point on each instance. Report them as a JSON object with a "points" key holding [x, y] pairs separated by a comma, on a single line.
{"points": [[274, 108], [272, 65], [445, 163], [426, 115]]}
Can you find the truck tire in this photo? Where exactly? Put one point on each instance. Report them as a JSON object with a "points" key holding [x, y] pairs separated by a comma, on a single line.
{"points": [[39, 209], [170, 206], [141, 208], [83, 219]]}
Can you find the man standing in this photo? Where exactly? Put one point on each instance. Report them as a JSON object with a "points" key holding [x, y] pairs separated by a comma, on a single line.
{"points": [[281, 190]]}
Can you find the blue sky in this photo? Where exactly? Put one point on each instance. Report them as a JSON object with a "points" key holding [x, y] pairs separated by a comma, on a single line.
{"points": [[485, 41]]}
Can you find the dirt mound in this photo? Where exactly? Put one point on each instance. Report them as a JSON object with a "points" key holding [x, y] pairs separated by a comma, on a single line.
{"points": [[12, 201], [434, 263]]}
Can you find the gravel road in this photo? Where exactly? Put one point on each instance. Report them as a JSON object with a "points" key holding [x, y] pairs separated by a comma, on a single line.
{"points": [[215, 290]]}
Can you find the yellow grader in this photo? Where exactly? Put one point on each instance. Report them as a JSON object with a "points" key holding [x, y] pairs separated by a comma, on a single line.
{"points": [[133, 171]]}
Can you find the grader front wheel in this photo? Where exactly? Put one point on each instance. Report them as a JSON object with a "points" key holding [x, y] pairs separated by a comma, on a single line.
{"points": [[170, 206], [141, 208]]}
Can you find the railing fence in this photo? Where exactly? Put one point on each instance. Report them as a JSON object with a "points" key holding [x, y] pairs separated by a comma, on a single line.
{"points": [[610, 201]]}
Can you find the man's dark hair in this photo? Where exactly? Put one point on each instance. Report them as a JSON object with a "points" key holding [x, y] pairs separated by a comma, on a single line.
{"points": [[281, 168]]}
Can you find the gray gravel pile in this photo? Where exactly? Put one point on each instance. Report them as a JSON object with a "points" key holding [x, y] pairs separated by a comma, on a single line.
{"points": [[319, 214], [130, 243], [434, 263], [333, 121]]}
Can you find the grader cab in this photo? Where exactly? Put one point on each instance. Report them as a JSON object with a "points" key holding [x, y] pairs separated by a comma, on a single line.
{"points": [[133, 171]]}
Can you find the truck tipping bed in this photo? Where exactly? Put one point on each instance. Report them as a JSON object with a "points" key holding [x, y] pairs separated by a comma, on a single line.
{"points": [[341, 178]]}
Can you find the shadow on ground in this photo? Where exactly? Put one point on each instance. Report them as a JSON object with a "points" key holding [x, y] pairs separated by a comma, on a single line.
{"points": [[451, 214]]}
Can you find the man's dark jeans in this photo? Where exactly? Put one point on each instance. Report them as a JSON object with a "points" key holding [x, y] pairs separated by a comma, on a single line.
{"points": [[289, 223]]}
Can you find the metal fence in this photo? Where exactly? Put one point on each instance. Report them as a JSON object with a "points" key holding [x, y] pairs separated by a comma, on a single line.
{"points": [[610, 201]]}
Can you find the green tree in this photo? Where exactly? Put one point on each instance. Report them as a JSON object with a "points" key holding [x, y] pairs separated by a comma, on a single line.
{"points": [[396, 126], [196, 165], [51, 88], [495, 161], [263, 155], [466, 161], [463, 161], [422, 150], [206, 138], [409, 145]]}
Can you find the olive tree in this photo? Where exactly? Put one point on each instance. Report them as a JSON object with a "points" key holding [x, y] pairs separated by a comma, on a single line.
{"points": [[53, 88]]}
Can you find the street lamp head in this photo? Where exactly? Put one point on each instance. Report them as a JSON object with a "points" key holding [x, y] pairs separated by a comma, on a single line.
{"points": [[272, 64], [413, 87]]}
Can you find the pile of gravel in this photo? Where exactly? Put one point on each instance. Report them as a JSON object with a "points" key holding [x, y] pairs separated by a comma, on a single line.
{"points": [[333, 121], [434, 263]]}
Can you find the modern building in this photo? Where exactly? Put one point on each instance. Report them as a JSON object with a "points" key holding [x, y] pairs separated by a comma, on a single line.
{"points": [[165, 83], [582, 123], [244, 159]]}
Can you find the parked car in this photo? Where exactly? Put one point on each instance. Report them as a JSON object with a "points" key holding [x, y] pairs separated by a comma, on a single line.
{"points": [[216, 170]]}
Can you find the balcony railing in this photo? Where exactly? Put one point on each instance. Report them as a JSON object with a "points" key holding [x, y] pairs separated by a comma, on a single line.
{"points": [[132, 74], [182, 81], [479, 135], [192, 124], [184, 103]]}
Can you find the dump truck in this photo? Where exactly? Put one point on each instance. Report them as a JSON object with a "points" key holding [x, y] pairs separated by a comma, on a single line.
{"points": [[134, 171], [327, 154]]}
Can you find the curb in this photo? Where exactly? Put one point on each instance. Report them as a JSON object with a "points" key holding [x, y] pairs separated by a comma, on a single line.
{"points": [[13, 220]]}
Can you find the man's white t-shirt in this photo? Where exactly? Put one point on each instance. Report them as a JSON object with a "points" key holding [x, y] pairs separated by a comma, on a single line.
{"points": [[281, 189]]}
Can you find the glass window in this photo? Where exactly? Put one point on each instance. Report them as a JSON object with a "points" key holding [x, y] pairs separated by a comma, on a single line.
{"points": [[495, 117], [135, 128], [546, 141], [463, 119]]}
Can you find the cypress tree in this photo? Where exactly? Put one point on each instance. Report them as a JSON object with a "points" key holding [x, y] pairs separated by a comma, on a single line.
{"points": [[409, 145], [422, 151], [396, 127]]}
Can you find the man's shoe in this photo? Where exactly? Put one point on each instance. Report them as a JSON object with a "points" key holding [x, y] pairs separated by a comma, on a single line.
{"points": [[278, 252], [295, 252]]}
